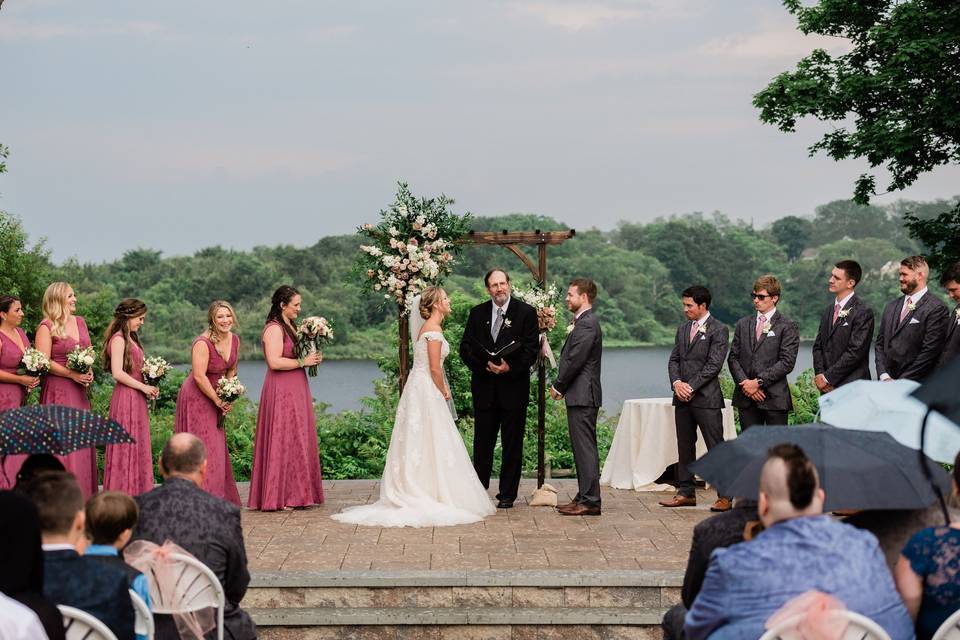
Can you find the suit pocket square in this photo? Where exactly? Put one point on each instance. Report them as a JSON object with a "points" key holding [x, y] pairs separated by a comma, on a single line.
{"points": [[771, 334], [914, 321], [703, 337], [845, 324]]}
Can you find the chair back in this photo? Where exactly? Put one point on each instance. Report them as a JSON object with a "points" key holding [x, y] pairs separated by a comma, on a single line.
{"points": [[143, 620], [80, 625], [858, 628], [197, 587], [950, 629]]}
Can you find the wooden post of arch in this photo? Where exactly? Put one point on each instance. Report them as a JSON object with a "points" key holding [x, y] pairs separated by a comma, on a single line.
{"points": [[512, 241]]}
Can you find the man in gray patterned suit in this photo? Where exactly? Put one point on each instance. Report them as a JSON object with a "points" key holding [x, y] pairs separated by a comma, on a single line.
{"points": [[578, 383], [950, 280], [694, 368]]}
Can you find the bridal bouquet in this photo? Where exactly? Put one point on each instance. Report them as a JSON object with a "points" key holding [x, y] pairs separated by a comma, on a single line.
{"points": [[312, 334], [544, 300], [229, 390], [81, 359], [34, 363], [154, 370]]}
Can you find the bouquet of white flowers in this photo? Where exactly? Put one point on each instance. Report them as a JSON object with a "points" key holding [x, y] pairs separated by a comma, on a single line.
{"points": [[312, 334], [544, 300], [154, 370], [229, 390], [34, 363], [81, 359]]}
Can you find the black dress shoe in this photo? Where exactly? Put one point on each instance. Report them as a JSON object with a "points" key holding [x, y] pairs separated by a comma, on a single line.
{"points": [[505, 504]]}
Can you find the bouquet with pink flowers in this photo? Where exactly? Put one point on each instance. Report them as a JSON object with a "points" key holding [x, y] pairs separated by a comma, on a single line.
{"points": [[312, 334]]}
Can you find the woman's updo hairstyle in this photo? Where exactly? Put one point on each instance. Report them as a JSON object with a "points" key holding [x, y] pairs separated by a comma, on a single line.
{"points": [[280, 298], [428, 299]]}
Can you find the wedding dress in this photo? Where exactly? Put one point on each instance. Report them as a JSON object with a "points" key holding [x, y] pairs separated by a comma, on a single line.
{"points": [[428, 479]]}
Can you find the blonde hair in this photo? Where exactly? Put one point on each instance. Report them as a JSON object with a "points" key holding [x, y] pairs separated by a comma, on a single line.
{"points": [[428, 300], [55, 308], [215, 306]]}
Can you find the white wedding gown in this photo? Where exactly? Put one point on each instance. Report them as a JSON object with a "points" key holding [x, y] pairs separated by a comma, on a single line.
{"points": [[428, 479]]}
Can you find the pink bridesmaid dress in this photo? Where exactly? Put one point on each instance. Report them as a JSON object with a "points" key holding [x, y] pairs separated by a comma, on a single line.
{"points": [[286, 459], [196, 414], [129, 467], [12, 396], [66, 392]]}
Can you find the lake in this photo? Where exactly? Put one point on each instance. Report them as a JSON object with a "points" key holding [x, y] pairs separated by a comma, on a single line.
{"points": [[627, 373]]}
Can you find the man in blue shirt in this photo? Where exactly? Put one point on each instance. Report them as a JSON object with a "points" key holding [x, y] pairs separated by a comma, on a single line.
{"points": [[799, 550]]}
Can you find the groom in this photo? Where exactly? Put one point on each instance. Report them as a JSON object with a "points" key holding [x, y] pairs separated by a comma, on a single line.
{"points": [[501, 386]]}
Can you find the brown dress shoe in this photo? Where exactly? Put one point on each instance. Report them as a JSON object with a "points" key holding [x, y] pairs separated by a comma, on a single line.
{"points": [[679, 501], [722, 504], [570, 504], [581, 510]]}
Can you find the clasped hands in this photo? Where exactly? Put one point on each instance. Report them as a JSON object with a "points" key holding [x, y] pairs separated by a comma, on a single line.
{"points": [[497, 369], [683, 391], [822, 385], [751, 388]]}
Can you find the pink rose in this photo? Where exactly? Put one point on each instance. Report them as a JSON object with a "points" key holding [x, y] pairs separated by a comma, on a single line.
{"points": [[413, 242]]}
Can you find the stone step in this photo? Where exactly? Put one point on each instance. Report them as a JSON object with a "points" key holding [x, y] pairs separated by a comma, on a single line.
{"points": [[362, 616]]}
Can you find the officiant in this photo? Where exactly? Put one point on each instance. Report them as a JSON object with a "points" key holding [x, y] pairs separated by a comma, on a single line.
{"points": [[499, 346]]}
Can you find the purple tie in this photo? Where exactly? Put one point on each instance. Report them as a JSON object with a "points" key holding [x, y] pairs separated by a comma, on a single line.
{"points": [[905, 310]]}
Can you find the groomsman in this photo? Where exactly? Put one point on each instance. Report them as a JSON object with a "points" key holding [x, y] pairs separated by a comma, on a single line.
{"points": [[950, 280], [694, 368], [764, 351], [913, 327], [578, 383], [841, 351]]}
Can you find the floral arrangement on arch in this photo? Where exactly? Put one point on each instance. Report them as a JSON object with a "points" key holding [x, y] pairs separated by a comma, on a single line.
{"points": [[413, 247], [544, 300]]}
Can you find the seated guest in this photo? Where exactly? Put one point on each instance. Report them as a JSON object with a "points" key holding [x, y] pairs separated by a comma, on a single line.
{"points": [[69, 578], [721, 530], [18, 622], [21, 557], [800, 550], [928, 572], [208, 527], [34, 464], [111, 516]]}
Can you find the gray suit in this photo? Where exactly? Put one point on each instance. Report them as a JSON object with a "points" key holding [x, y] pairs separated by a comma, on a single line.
{"points": [[841, 350], [912, 348], [579, 382], [697, 362], [770, 359], [951, 345]]}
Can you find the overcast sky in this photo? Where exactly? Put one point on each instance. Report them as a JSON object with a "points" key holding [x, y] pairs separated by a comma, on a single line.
{"points": [[177, 125]]}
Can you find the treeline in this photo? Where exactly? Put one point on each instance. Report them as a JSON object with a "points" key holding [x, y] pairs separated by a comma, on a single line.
{"points": [[640, 269]]}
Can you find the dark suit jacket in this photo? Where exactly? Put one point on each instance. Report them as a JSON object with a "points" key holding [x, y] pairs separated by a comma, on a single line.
{"points": [[951, 346], [841, 351], [698, 362], [771, 359], [92, 586], [209, 528], [579, 377], [721, 530], [510, 390], [911, 349]]}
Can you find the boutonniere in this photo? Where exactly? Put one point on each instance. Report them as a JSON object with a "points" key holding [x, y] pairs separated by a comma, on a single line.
{"points": [[702, 328], [767, 327], [507, 322], [956, 312], [569, 328], [912, 306], [843, 313]]}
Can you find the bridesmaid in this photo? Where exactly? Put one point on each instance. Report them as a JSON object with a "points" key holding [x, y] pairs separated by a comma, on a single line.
{"points": [[59, 332], [128, 467], [214, 355], [286, 460], [13, 388]]}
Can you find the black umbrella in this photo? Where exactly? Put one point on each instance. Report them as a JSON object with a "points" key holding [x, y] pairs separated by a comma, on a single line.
{"points": [[858, 469], [939, 391], [52, 428]]}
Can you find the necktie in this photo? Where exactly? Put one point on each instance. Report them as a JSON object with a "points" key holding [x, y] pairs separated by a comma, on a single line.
{"points": [[905, 310], [497, 325], [836, 312], [760, 319], [693, 330]]}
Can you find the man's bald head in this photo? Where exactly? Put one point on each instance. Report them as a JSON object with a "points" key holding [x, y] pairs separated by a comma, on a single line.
{"points": [[789, 485], [184, 454]]}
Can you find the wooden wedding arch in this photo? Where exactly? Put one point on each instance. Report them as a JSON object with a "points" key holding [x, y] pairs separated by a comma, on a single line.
{"points": [[511, 241]]}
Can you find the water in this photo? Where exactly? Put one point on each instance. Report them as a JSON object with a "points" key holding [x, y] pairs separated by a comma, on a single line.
{"points": [[627, 373]]}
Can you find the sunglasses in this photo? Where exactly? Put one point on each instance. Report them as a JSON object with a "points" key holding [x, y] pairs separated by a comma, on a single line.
{"points": [[760, 296]]}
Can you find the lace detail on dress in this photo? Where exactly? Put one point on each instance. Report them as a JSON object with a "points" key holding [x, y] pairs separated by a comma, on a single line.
{"points": [[934, 554]]}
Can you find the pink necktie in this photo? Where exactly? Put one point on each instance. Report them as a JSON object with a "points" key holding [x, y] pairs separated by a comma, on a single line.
{"points": [[836, 312], [905, 310], [693, 330], [760, 320]]}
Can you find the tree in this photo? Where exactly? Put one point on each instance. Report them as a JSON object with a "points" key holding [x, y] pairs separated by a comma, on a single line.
{"points": [[894, 98], [792, 233], [940, 236], [4, 151], [23, 269]]}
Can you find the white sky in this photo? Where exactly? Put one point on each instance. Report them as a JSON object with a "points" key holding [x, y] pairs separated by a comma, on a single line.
{"points": [[184, 124]]}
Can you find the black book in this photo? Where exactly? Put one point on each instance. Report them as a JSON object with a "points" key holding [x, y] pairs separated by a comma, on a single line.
{"points": [[497, 356]]}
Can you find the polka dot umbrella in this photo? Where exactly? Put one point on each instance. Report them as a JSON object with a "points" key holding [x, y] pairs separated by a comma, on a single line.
{"points": [[52, 428]]}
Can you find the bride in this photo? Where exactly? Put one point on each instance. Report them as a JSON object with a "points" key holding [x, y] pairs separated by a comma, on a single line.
{"points": [[428, 479]]}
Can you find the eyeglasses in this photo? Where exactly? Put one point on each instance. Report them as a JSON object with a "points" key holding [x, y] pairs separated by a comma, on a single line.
{"points": [[760, 296]]}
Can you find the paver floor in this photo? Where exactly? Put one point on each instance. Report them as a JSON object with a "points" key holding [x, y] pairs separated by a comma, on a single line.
{"points": [[632, 533]]}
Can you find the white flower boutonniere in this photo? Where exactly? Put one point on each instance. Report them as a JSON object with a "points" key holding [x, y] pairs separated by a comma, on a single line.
{"points": [[702, 328], [843, 313], [507, 322], [767, 327], [912, 306], [956, 312], [569, 328]]}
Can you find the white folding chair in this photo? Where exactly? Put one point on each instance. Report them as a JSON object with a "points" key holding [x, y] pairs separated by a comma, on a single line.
{"points": [[858, 628], [80, 625], [197, 587], [143, 621], [950, 629]]}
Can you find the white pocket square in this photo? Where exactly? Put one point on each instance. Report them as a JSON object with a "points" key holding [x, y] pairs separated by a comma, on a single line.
{"points": [[845, 324], [914, 321], [770, 334], [703, 337]]}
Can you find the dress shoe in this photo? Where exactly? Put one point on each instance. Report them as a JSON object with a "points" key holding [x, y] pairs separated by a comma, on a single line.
{"points": [[722, 504], [679, 501], [580, 510], [505, 504], [569, 505]]}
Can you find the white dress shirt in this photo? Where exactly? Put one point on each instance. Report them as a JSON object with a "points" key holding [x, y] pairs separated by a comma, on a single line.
{"points": [[18, 622], [494, 308]]}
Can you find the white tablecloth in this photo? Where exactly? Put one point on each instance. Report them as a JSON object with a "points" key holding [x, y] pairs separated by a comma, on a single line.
{"points": [[645, 444]]}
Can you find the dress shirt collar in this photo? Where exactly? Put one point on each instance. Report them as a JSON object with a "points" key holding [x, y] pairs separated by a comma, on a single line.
{"points": [[702, 321], [580, 313], [768, 315], [494, 308], [60, 546], [845, 300], [101, 550], [916, 295]]}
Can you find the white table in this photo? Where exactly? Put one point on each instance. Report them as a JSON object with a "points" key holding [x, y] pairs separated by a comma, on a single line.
{"points": [[645, 444]]}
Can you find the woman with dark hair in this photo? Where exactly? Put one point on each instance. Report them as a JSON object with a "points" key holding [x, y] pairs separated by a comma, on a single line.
{"points": [[128, 467], [286, 460], [59, 333], [928, 572], [21, 557], [13, 387], [214, 355]]}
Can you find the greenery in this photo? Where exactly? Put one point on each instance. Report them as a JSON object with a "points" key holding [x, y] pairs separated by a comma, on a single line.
{"points": [[893, 98]]}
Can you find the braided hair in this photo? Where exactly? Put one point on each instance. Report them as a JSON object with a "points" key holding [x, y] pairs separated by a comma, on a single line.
{"points": [[282, 296], [128, 309]]}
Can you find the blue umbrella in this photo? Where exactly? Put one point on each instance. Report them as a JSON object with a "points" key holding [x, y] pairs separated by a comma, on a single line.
{"points": [[52, 428]]}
